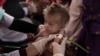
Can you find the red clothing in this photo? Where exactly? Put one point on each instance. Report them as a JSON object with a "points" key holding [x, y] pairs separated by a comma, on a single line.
{"points": [[2, 2]]}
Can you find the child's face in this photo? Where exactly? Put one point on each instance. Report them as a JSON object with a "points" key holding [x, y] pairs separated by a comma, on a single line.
{"points": [[52, 24]]}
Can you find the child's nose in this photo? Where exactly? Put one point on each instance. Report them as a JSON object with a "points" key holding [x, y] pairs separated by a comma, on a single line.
{"points": [[46, 25]]}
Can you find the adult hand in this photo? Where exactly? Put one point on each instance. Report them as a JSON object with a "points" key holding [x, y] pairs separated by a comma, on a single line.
{"points": [[59, 49], [31, 36], [30, 5], [42, 31], [40, 45], [24, 4]]}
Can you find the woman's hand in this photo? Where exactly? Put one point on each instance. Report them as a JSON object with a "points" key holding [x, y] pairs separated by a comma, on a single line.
{"points": [[40, 45], [59, 49]]}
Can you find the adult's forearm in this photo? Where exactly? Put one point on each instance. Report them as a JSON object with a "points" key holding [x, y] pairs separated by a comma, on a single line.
{"points": [[23, 26], [75, 20], [28, 51], [18, 25]]}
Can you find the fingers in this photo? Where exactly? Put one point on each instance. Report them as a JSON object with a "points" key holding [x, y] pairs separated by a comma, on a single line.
{"points": [[24, 4], [41, 27], [58, 38], [31, 36], [32, 8], [56, 47], [64, 41], [46, 39], [51, 37]]}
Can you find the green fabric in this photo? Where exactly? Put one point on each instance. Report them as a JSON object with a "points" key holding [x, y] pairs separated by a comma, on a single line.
{"points": [[75, 43]]}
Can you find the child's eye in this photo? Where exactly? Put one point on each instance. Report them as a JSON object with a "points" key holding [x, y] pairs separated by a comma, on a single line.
{"points": [[50, 24]]}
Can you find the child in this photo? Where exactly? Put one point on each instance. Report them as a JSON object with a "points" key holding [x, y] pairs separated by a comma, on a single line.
{"points": [[56, 17]]}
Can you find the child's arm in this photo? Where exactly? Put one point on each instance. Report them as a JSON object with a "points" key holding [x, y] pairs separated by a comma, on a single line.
{"points": [[42, 31]]}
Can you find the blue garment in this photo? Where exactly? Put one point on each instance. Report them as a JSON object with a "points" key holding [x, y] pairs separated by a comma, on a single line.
{"points": [[1, 13]]}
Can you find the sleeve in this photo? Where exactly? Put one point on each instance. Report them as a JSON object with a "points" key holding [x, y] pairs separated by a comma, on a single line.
{"points": [[13, 8], [13, 53], [7, 20], [18, 25], [75, 24], [24, 27], [28, 51]]}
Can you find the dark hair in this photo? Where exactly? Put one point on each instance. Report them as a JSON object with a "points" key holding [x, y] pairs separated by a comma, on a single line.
{"points": [[70, 50], [66, 2]]}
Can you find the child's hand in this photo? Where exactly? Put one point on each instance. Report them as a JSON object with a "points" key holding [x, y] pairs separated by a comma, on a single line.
{"points": [[42, 31], [31, 36]]}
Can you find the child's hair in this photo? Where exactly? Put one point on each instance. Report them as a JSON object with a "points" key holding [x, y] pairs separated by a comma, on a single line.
{"points": [[57, 9]]}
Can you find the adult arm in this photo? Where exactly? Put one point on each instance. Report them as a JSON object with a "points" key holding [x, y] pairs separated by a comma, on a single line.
{"points": [[75, 24], [18, 25]]}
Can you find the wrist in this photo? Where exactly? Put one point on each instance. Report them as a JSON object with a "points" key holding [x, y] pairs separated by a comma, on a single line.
{"points": [[31, 50]]}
